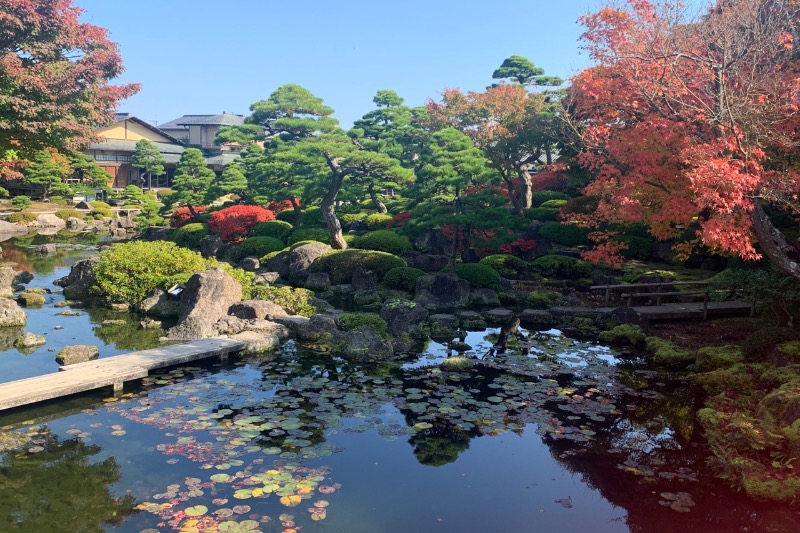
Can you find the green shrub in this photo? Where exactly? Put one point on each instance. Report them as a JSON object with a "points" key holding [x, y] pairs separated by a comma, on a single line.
{"points": [[22, 217], [378, 221], [544, 214], [4, 192], [638, 247], [348, 218], [667, 354], [190, 235], [294, 301], [402, 278], [479, 275], [581, 204], [287, 215], [277, 229], [384, 240], [309, 233], [541, 299], [312, 216], [65, 214], [564, 234], [340, 264], [129, 272], [540, 197], [21, 202], [101, 212], [717, 357], [163, 193], [561, 267], [351, 321], [257, 247], [97, 204], [756, 346], [554, 204], [507, 265]]}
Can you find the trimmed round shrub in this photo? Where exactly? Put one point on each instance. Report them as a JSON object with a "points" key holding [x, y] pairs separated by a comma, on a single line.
{"points": [[129, 272], [541, 299], [638, 247], [479, 275], [402, 278], [4, 192], [22, 217], [553, 204], [348, 218], [311, 216], [277, 229], [99, 204], [506, 265], [234, 222], [286, 216], [293, 300], [378, 221], [21, 202], [258, 247], [542, 213], [183, 216], [351, 321], [540, 197], [562, 267], [306, 233], [564, 234], [758, 344], [65, 214], [190, 235], [163, 193], [340, 264], [384, 240], [101, 212]]}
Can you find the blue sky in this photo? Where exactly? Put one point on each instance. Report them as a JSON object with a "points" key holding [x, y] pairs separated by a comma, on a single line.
{"points": [[204, 56]]}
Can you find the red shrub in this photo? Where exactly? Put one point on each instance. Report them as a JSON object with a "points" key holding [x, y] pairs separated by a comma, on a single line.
{"points": [[399, 220], [234, 223], [182, 216], [277, 207], [519, 248]]}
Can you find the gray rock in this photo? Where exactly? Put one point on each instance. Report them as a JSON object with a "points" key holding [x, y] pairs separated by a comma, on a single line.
{"points": [[294, 265], [29, 340], [366, 297], [537, 318], [319, 326], [22, 278], [31, 299], [364, 344], [260, 309], [267, 327], [484, 297], [149, 323], [266, 278], [230, 325], [12, 228], [257, 342], [47, 249], [159, 304], [211, 246], [69, 312], [249, 264], [443, 325], [9, 335], [48, 220], [294, 323], [77, 354], [364, 279], [441, 291], [404, 317], [317, 281], [499, 315], [11, 314], [471, 319], [430, 262], [206, 298], [78, 282]]}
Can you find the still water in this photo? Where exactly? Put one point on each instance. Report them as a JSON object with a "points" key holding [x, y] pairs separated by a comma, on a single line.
{"points": [[555, 434]]}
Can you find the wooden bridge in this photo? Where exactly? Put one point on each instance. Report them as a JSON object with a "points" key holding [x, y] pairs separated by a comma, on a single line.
{"points": [[110, 371], [654, 305]]}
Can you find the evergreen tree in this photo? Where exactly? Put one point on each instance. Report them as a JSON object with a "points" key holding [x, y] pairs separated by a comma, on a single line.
{"points": [[149, 161], [192, 180], [46, 171]]}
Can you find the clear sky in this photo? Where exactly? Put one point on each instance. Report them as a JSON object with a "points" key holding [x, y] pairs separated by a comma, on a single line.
{"points": [[206, 57]]}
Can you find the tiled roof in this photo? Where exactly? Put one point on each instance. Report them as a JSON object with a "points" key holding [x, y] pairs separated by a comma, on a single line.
{"points": [[224, 119]]}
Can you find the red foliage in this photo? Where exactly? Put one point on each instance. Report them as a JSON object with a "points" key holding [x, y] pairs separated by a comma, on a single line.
{"points": [[181, 216], [399, 220], [278, 206], [519, 248], [234, 223]]}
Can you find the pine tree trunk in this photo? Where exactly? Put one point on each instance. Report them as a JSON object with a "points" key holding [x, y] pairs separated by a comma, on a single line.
{"points": [[375, 200], [512, 192], [526, 189], [298, 215], [773, 243], [328, 202]]}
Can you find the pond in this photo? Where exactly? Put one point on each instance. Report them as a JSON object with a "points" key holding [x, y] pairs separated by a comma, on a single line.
{"points": [[551, 434]]}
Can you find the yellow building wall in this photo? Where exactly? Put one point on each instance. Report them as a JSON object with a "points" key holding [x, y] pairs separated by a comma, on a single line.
{"points": [[127, 130]]}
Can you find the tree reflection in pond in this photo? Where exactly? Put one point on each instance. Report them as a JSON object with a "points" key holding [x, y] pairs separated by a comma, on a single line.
{"points": [[59, 488]]}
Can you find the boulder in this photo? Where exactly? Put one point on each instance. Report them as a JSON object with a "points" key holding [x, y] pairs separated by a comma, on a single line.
{"points": [[206, 298], [29, 340], [48, 220], [430, 262], [537, 318], [317, 281], [484, 297], [249, 264], [47, 249], [79, 280], [364, 344], [260, 309], [159, 304], [499, 315], [22, 278], [294, 323], [471, 320], [319, 326], [11, 315], [149, 323], [9, 335], [443, 325], [77, 354], [268, 327], [211, 245], [403, 317], [364, 279], [294, 264], [256, 342], [31, 299], [441, 291], [229, 325], [12, 228], [266, 278]]}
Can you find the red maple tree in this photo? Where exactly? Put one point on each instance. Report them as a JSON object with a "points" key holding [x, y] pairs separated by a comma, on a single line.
{"points": [[688, 121]]}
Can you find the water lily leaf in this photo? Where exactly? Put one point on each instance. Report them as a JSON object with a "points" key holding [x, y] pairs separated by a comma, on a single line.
{"points": [[196, 510], [221, 478]]}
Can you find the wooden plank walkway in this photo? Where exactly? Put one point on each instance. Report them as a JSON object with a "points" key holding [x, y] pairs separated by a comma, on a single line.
{"points": [[110, 371]]}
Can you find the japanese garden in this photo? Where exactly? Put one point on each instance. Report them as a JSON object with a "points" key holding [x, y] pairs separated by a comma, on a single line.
{"points": [[551, 304]]}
